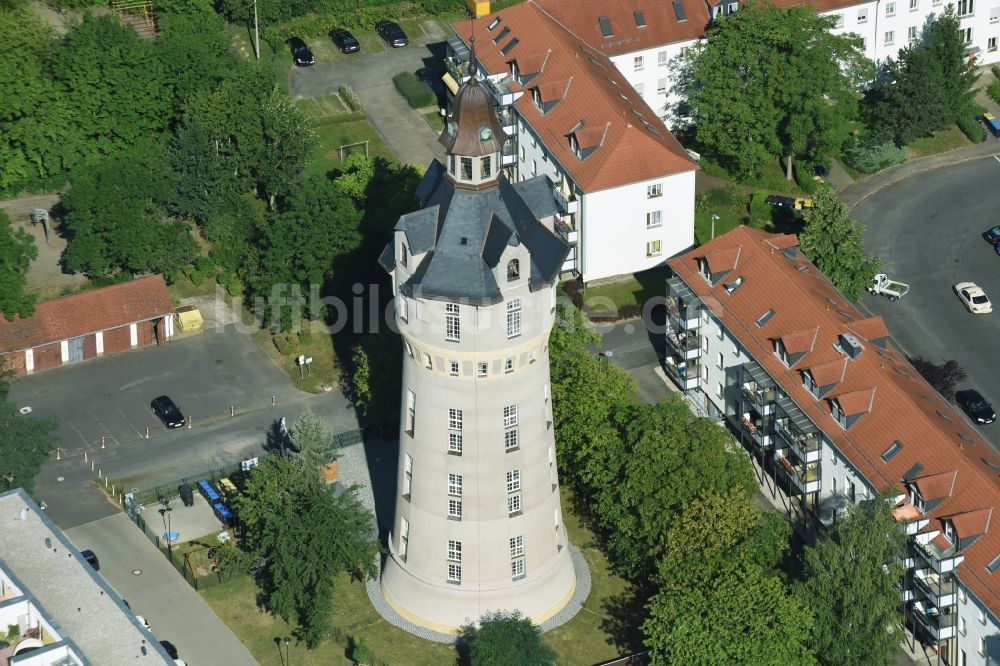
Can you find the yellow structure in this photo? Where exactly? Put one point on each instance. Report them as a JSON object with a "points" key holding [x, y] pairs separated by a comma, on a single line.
{"points": [[478, 8], [189, 318]]}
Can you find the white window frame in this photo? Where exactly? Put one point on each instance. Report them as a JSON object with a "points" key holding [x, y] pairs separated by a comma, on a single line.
{"points": [[516, 546], [513, 504], [428, 361], [454, 508], [995, 15], [638, 63], [662, 59], [455, 442], [482, 369], [411, 411], [654, 190], [661, 86], [513, 480], [454, 573], [511, 440], [510, 416], [455, 485], [454, 550], [517, 568], [454, 368], [654, 219], [654, 248], [966, 35], [890, 37], [862, 15], [890, 9], [911, 34], [404, 308], [968, 6], [508, 366], [454, 419], [452, 323], [407, 474], [513, 317], [914, 5]]}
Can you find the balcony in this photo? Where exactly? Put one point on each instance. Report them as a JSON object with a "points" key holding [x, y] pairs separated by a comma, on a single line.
{"points": [[939, 623], [687, 345], [759, 428], [761, 399], [940, 590], [508, 155], [508, 120], [686, 318], [941, 560], [806, 448], [458, 70], [805, 478], [685, 374], [565, 228]]}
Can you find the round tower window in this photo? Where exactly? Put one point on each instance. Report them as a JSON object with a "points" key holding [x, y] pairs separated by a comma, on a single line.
{"points": [[485, 134]]}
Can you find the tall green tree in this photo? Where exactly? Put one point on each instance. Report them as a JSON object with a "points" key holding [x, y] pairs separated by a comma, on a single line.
{"points": [[850, 583], [312, 440], [378, 369], [116, 216], [302, 534], [835, 243], [504, 638], [194, 50], [25, 442], [17, 250], [769, 82]]}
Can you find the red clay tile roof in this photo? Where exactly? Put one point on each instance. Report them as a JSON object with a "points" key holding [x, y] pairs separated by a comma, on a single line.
{"points": [[89, 311], [872, 328], [855, 402], [797, 342], [783, 242], [662, 26], [723, 260], [903, 408], [600, 105], [829, 373], [972, 523], [936, 486]]}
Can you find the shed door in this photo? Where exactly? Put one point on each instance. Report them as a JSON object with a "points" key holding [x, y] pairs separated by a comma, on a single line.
{"points": [[75, 350]]}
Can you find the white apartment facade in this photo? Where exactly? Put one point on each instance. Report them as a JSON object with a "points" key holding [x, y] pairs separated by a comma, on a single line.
{"points": [[833, 413]]}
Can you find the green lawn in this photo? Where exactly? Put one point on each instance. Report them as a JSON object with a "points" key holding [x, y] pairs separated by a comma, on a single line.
{"points": [[184, 288], [433, 119], [772, 178], [323, 109], [326, 155], [634, 290], [324, 369], [604, 629], [939, 142]]}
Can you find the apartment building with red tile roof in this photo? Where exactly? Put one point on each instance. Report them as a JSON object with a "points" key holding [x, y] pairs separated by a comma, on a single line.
{"points": [[817, 391], [88, 324], [625, 183]]}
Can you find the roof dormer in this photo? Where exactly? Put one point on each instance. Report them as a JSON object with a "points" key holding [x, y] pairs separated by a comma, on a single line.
{"points": [[967, 527], [847, 408], [871, 329], [934, 488], [716, 264], [820, 379], [583, 140], [795, 345], [526, 67]]}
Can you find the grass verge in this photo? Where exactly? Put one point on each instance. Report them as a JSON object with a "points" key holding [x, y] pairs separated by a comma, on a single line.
{"points": [[939, 142], [596, 634], [772, 178], [635, 289], [326, 155], [324, 371], [182, 287]]}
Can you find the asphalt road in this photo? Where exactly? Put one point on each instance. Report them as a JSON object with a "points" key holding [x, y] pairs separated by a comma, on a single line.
{"points": [[928, 231], [109, 397], [637, 348]]}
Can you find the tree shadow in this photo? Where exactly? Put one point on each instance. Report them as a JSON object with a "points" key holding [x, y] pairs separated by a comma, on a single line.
{"points": [[381, 456], [624, 615]]}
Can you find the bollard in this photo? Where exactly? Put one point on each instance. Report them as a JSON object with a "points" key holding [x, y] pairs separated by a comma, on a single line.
{"points": [[84, 456], [99, 474], [58, 454], [91, 465], [272, 401], [189, 422], [232, 410], [102, 442], [147, 432]]}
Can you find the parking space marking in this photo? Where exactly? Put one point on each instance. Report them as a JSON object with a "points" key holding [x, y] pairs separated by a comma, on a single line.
{"points": [[125, 418], [77, 431], [997, 158]]}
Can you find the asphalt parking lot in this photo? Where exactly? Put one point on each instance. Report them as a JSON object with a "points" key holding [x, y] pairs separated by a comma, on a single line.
{"points": [[928, 231]]}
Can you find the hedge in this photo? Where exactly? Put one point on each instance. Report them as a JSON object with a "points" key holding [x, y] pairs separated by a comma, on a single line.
{"points": [[417, 93], [803, 176], [972, 129], [869, 158], [759, 208], [351, 100]]}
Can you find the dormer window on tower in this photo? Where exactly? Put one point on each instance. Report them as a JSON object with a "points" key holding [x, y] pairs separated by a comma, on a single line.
{"points": [[513, 270], [466, 168]]}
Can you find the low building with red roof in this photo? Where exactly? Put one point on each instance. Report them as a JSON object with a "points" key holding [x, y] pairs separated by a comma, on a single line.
{"points": [[624, 184], [92, 323], [818, 393]]}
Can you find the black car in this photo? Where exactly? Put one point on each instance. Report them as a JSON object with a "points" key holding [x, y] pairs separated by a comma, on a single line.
{"points": [[345, 41], [170, 649], [301, 53], [167, 412], [91, 558], [781, 201], [391, 33], [993, 235], [975, 406]]}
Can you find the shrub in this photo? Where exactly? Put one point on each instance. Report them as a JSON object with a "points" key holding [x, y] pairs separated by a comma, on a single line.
{"points": [[760, 210], [730, 195], [573, 289], [201, 270], [872, 157], [351, 99], [417, 93], [996, 71], [972, 129], [803, 176], [286, 342]]}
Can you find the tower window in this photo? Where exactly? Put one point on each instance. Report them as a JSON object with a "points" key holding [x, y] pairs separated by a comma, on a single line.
{"points": [[455, 485], [485, 167], [454, 573], [517, 546], [411, 411], [508, 366], [510, 416], [514, 504], [402, 254], [517, 568], [455, 509], [513, 270], [454, 551], [466, 168], [482, 369], [454, 419], [452, 323], [513, 317], [455, 442], [513, 480]]}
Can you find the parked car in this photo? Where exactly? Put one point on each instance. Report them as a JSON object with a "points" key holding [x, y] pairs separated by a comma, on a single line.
{"points": [[302, 55], [344, 40], [167, 411], [91, 558], [391, 33], [975, 405], [819, 172], [973, 298], [143, 621], [993, 235], [170, 648], [791, 203]]}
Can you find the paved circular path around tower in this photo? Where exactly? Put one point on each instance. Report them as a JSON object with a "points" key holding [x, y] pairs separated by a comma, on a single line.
{"points": [[354, 471]]}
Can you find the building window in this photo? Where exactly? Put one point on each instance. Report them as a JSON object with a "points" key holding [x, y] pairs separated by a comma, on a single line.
{"points": [[966, 35], [911, 34], [513, 480], [454, 551], [522, 153], [466, 168], [455, 508], [640, 88], [914, 5], [407, 474], [454, 368], [534, 168], [485, 167], [653, 191], [962, 628], [455, 485], [653, 219], [452, 326], [403, 304], [935, 3], [637, 63], [451, 164], [454, 419], [982, 645], [719, 391], [653, 248], [890, 9], [839, 18], [661, 86], [514, 504], [508, 366], [720, 363], [513, 317], [995, 15], [510, 416], [455, 442], [454, 573], [408, 348], [965, 7], [863, 15], [404, 536], [411, 411], [402, 254], [963, 596], [482, 369], [513, 270], [661, 59], [982, 616], [864, 43], [428, 363], [517, 568], [991, 44], [889, 37], [510, 440], [516, 546]]}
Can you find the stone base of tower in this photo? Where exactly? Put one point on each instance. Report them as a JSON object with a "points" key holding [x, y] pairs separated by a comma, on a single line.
{"points": [[446, 607]]}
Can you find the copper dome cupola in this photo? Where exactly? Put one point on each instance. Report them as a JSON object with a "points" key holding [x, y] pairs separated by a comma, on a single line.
{"points": [[475, 129]]}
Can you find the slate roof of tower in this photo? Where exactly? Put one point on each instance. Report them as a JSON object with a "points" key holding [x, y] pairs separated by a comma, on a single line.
{"points": [[463, 232]]}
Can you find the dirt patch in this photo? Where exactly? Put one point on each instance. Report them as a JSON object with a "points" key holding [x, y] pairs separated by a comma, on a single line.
{"points": [[45, 276]]}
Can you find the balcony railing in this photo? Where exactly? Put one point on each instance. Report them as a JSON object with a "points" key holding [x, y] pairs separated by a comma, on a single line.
{"points": [[939, 589], [806, 447], [806, 479], [761, 398], [686, 374], [942, 561], [939, 623], [685, 317], [458, 70], [508, 155]]}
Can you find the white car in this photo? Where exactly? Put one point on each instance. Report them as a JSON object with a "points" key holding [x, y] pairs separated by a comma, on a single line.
{"points": [[973, 298]]}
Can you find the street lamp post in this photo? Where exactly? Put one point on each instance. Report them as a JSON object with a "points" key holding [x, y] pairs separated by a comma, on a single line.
{"points": [[288, 658], [165, 512], [256, 34], [714, 218]]}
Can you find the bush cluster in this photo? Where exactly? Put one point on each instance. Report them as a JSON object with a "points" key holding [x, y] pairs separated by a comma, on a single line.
{"points": [[351, 99], [872, 157], [971, 128], [760, 210], [417, 93], [803, 176]]}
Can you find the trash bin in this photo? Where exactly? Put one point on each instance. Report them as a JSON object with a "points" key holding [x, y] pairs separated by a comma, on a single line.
{"points": [[187, 494]]}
